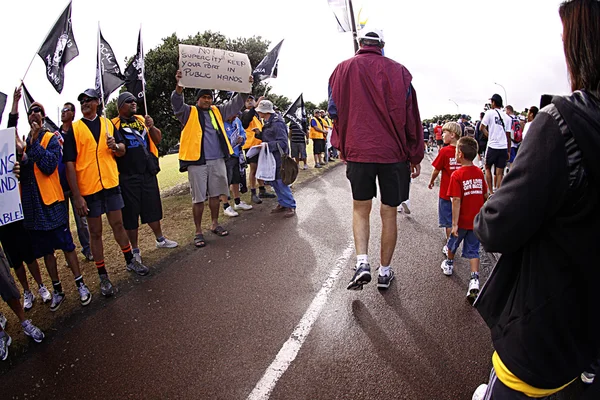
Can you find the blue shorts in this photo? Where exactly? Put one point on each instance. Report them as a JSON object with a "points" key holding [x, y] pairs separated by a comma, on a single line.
{"points": [[470, 244], [513, 154], [45, 242], [445, 213], [104, 201]]}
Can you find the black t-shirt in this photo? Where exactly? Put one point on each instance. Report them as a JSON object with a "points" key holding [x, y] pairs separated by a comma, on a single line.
{"points": [[135, 136], [70, 147]]}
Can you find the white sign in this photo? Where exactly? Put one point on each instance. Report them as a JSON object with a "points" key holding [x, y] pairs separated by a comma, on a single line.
{"points": [[11, 209], [206, 68]]}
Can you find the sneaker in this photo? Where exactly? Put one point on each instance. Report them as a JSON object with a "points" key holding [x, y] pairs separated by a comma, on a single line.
{"points": [[405, 208], [28, 299], [267, 195], [5, 341], [88, 255], [45, 294], [137, 267], [166, 244], [447, 268], [384, 281], [588, 377], [479, 393], [32, 331], [85, 297], [106, 287], [305, 167], [230, 212], [243, 206], [473, 290], [445, 250], [2, 321], [256, 199], [57, 300], [362, 276], [318, 166]]}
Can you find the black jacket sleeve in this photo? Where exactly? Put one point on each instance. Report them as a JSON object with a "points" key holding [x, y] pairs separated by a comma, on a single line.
{"points": [[531, 192], [247, 117], [13, 119]]}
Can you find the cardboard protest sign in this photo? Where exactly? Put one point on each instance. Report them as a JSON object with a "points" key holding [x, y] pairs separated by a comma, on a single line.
{"points": [[206, 68], [11, 209]]}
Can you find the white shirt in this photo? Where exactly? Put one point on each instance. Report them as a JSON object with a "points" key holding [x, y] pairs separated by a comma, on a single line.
{"points": [[527, 125], [497, 133]]}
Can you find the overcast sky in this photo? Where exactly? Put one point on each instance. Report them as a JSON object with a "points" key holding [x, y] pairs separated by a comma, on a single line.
{"points": [[455, 50]]}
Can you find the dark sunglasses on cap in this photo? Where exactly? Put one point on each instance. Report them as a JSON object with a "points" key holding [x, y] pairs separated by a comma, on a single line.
{"points": [[34, 110], [86, 100], [67, 109]]}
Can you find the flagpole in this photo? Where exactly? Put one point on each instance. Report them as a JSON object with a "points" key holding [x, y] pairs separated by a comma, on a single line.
{"points": [[101, 83], [353, 22], [143, 71]]}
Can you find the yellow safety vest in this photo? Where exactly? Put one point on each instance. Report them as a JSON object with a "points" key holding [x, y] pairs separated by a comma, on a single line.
{"points": [[190, 144], [49, 185], [153, 149], [252, 141], [313, 133]]}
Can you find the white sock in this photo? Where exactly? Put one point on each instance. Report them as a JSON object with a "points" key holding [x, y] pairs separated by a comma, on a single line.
{"points": [[362, 259], [384, 271]]}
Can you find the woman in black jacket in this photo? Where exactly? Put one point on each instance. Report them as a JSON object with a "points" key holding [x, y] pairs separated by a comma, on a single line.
{"points": [[541, 301]]}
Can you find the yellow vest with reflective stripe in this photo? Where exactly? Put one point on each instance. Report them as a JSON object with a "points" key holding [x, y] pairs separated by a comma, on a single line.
{"points": [[49, 185], [313, 133], [153, 149], [190, 143], [251, 140]]}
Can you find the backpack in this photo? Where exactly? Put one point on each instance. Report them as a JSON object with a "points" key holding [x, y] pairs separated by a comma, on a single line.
{"points": [[517, 131], [469, 131]]}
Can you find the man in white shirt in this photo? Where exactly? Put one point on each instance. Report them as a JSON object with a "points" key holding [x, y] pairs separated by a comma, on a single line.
{"points": [[496, 126], [530, 117]]}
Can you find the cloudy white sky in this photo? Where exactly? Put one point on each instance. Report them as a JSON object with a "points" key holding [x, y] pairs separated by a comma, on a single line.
{"points": [[455, 50]]}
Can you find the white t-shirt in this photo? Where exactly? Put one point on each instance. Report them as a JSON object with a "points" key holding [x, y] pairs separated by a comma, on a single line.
{"points": [[497, 133], [527, 125]]}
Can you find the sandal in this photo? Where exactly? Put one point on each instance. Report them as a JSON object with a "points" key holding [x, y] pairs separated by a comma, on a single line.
{"points": [[219, 231], [199, 240]]}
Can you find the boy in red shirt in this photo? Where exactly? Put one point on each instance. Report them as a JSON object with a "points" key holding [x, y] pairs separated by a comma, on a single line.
{"points": [[446, 163], [468, 191]]}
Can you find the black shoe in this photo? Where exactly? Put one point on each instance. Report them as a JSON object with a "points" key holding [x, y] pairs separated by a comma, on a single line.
{"points": [[256, 199], [383, 282], [362, 276], [267, 195]]}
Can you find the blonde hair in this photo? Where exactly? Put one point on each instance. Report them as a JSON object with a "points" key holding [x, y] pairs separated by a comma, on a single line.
{"points": [[453, 127]]}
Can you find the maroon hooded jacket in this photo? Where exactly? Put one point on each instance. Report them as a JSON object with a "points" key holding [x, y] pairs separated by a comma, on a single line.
{"points": [[375, 111]]}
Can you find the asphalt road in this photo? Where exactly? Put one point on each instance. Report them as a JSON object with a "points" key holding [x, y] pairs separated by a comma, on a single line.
{"points": [[209, 324]]}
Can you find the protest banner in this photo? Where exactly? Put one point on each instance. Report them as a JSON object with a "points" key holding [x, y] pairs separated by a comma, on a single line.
{"points": [[11, 209], [206, 68]]}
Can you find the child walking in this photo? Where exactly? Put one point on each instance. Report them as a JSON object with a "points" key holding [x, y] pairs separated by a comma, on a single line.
{"points": [[446, 163], [468, 192]]}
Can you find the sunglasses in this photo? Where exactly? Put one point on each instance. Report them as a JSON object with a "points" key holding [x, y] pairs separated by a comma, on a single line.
{"points": [[83, 101], [67, 109], [34, 110], [129, 101]]}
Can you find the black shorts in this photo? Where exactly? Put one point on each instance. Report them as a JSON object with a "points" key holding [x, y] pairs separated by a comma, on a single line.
{"points": [[393, 179], [253, 160], [496, 157], [45, 242], [233, 170], [141, 197], [318, 146], [17, 245], [104, 201], [440, 142]]}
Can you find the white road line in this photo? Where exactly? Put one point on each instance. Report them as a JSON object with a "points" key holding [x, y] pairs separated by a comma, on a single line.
{"points": [[291, 347]]}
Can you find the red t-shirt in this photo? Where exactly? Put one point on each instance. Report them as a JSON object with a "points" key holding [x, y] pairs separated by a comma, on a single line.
{"points": [[446, 162], [438, 132], [468, 184]]}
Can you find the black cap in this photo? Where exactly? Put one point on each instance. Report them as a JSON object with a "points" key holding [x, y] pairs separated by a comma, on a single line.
{"points": [[250, 96], [203, 92], [496, 98], [91, 93]]}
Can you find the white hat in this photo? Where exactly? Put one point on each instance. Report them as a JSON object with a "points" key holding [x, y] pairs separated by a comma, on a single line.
{"points": [[370, 34], [265, 106]]}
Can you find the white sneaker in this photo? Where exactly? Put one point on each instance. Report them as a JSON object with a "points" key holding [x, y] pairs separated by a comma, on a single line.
{"points": [[137, 257], [445, 250], [45, 294], [473, 290], [479, 393], [166, 244], [447, 268], [2, 321], [230, 212], [28, 299], [243, 206]]}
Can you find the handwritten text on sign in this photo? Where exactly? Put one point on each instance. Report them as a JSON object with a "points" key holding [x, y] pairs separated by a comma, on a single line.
{"points": [[206, 68], [11, 209]]}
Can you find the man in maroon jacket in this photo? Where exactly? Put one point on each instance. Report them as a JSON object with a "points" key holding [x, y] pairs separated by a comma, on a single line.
{"points": [[377, 129]]}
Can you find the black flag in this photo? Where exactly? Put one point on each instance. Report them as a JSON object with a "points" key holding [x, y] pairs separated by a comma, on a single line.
{"points": [[2, 104], [267, 68], [296, 113], [108, 73], [134, 73], [28, 99], [58, 49]]}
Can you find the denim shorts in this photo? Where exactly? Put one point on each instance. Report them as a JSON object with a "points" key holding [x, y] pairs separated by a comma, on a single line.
{"points": [[445, 213], [469, 241]]}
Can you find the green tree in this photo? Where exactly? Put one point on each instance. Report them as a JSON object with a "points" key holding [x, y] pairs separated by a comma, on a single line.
{"points": [[310, 108], [160, 68], [323, 105], [280, 101], [111, 109]]}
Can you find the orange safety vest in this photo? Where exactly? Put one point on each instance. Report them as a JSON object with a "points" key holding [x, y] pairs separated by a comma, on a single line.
{"points": [[49, 185], [190, 143], [313, 133], [95, 166], [250, 139], [153, 149]]}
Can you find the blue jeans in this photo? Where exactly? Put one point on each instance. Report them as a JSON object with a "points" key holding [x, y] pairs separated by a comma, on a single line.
{"points": [[285, 198], [81, 223]]}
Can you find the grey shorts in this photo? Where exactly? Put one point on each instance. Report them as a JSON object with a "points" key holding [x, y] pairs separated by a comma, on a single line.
{"points": [[298, 150], [209, 180], [8, 289]]}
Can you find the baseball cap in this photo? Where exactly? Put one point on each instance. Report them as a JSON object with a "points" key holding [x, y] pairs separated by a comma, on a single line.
{"points": [[496, 98], [91, 93], [371, 34]]}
